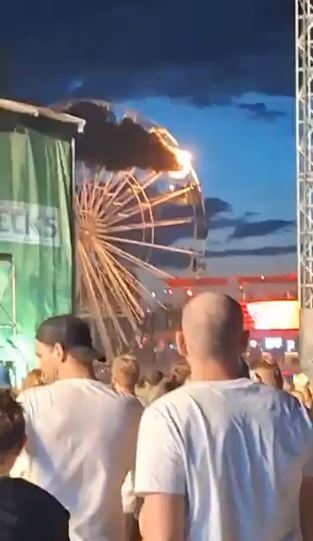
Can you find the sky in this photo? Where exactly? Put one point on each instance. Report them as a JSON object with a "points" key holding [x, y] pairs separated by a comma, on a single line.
{"points": [[218, 75]]}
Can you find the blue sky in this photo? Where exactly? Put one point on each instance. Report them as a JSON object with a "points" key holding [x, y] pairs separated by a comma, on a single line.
{"points": [[223, 85], [245, 161]]}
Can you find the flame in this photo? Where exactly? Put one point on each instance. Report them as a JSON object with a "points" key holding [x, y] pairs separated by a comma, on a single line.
{"points": [[184, 159]]}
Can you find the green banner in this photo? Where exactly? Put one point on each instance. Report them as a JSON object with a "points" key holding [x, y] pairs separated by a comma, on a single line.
{"points": [[35, 235]]}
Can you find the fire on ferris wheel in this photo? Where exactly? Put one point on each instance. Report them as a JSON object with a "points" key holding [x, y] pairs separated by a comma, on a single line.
{"points": [[139, 207]]}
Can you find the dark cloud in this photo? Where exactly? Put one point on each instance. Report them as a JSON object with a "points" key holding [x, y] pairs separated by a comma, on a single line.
{"points": [[218, 217], [224, 222], [260, 111], [261, 228], [119, 49], [180, 261], [265, 251], [215, 206]]}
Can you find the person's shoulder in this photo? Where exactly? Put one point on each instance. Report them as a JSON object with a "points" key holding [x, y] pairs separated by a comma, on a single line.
{"points": [[32, 395], [277, 397], [17, 492], [172, 399], [130, 405], [288, 409]]}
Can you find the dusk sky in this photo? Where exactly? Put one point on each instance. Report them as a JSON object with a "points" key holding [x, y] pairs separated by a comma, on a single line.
{"points": [[219, 75]]}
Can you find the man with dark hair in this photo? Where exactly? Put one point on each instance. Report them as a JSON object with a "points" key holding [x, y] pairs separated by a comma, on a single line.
{"points": [[223, 457], [81, 435], [25, 509]]}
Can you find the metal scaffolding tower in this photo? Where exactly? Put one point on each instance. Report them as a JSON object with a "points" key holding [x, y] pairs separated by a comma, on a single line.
{"points": [[304, 119], [304, 108]]}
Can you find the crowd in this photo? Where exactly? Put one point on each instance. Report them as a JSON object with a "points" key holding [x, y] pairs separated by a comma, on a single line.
{"points": [[211, 452]]}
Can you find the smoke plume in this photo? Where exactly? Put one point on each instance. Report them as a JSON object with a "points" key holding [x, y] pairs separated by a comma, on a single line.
{"points": [[118, 145]]}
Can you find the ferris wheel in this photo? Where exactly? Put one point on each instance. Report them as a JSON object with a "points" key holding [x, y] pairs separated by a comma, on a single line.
{"points": [[133, 223]]}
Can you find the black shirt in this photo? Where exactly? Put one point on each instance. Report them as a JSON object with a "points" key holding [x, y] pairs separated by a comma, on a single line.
{"points": [[28, 512]]}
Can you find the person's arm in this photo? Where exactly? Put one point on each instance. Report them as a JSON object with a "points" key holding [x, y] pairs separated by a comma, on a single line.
{"points": [[160, 479], [163, 517], [129, 499], [306, 515]]}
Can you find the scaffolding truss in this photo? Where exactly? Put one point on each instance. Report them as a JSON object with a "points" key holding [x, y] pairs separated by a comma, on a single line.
{"points": [[304, 112]]}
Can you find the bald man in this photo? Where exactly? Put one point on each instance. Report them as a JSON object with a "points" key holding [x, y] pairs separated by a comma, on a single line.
{"points": [[222, 458]]}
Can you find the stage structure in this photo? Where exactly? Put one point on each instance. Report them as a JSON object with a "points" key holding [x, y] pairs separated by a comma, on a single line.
{"points": [[304, 119], [36, 225]]}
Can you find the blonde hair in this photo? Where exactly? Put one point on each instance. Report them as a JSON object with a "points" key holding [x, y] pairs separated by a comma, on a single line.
{"points": [[299, 396], [125, 371], [33, 379]]}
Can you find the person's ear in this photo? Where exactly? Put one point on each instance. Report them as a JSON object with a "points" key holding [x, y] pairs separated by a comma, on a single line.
{"points": [[59, 352], [181, 345]]}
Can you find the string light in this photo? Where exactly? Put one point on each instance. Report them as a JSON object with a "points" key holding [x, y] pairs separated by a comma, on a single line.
{"points": [[189, 293], [170, 292], [153, 294]]}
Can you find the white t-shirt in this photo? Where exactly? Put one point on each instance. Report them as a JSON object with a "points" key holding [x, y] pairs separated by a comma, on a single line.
{"points": [[81, 444], [236, 450]]}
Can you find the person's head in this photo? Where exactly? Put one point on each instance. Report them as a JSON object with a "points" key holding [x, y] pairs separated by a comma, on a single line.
{"points": [[125, 373], [33, 379], [154, 377], [268, 373], [181, 373], [212, 338], [64, 348], [12, 431]]}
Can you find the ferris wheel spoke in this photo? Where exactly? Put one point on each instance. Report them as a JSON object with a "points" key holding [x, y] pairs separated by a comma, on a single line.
{"points": [[112, 197], [118, 282], [147, 225], [107, 280], [135, 283], [151, 180], [138, 186], [173, 249], [105, 338], [160, 200], [96, 285], [137, 262], [123, 203], [125, 199]]}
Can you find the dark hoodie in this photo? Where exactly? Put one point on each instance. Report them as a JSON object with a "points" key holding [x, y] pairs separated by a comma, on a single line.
{"points": [[29, 513]]}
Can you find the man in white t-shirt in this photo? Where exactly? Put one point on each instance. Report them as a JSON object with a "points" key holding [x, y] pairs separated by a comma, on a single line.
{"points": [[222, 458], [81, 435]]}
